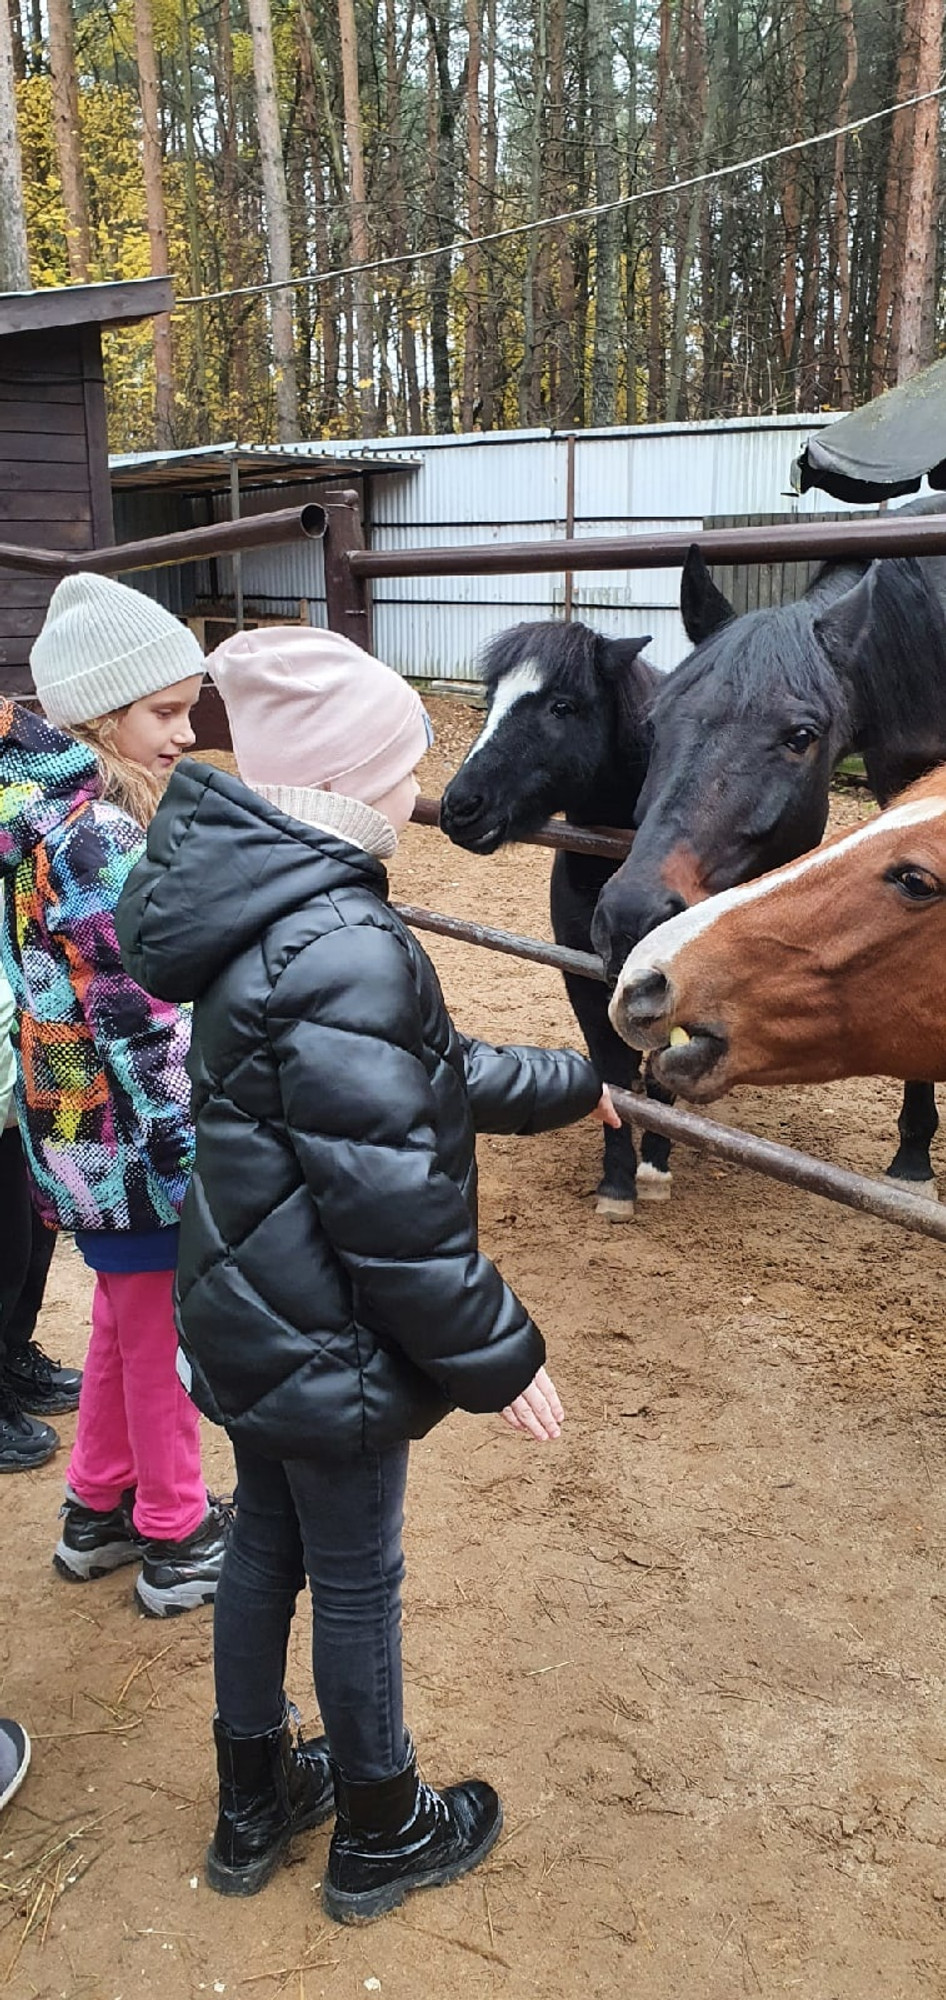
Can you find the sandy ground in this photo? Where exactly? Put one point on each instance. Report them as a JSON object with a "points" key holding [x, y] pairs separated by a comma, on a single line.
{"points": [[699, 1644]]}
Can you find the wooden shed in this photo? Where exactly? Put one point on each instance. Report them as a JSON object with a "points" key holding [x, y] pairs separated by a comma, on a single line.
{"points": [[55, 491]]}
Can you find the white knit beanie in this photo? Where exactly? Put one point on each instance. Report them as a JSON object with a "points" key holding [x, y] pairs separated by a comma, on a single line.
{"points": [[103, 646]]}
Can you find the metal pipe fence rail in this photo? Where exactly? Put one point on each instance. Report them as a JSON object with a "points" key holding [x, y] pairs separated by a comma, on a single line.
{"points": [[611, 843], [797, 541], [686, 1128]]}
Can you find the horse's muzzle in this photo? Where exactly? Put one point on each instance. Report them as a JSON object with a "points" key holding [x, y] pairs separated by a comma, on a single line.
{"points": [[688, 1060]]}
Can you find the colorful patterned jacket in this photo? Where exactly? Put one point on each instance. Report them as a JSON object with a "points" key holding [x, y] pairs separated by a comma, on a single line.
{"points": [[102, 1092]]}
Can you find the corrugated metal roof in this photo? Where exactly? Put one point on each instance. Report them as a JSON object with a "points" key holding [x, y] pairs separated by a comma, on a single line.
{"points": [[208, 467]]}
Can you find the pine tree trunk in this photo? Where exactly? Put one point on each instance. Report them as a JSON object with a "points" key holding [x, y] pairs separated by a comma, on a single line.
{"points": [[564, 409], [354, 142], [656, 357], [68, 131], [607, 227], [842, 210], [14, 256], [473, 259], [894, 217], [16, 31], [320, 135], [277, 219], [198, 401], [530, 370], [489, 359], [157, 219], [448, 98], [239, 398], [701, 113], [398, 201], [914, 348]]}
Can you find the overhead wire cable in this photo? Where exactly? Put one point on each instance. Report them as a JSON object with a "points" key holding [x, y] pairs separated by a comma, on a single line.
{"points": [[587, 214]]}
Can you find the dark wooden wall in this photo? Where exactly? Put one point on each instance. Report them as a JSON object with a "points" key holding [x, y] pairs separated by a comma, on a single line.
{"points": [[54, 484]]}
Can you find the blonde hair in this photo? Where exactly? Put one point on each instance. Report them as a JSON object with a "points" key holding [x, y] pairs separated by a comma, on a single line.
{"points": [[124, 783]]}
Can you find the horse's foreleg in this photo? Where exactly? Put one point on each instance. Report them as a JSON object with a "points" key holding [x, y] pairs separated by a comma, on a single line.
{"points": [[917, 1125], [654, 1178], [616, 1063]]}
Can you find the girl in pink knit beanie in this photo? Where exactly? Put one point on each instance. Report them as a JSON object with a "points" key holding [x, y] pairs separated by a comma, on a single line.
{"points": [[333, 1302]]}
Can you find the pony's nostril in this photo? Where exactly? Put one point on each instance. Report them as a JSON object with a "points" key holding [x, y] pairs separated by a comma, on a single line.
{"points": [[462, 810], [646, 996]]}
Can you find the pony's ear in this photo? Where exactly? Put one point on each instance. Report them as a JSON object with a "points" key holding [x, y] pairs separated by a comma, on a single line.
{"points": [[617, 653], [703, 608], [839, 628]]}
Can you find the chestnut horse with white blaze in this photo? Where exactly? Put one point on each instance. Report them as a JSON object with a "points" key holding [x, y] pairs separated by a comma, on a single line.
{"points": [[831, 966]]}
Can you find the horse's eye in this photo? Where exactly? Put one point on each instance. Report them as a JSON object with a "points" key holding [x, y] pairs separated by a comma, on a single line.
{"points": [[800, 740], [916, 883], [562, 708]]}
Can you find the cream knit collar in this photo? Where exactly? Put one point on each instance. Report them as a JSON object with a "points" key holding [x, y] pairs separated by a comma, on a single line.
{"points": [[332, 812]]}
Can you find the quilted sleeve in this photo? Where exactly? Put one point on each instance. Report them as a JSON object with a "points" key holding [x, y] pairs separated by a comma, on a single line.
{"points": [[345, 1026], [525, 1090]]}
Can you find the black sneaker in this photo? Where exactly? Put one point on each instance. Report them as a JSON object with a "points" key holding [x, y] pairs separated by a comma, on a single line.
{"points": [[179, 1576], [24, 1443], [44, 1387], [93, 1544]]}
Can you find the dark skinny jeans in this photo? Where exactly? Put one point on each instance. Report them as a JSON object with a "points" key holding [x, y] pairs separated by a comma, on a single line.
{"points": [[337, 1521], [26, 1249]]}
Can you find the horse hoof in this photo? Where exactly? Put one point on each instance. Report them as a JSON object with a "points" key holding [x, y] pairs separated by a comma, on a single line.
{"points": [[615, 1208], [653, 1183], [924, 1190]]}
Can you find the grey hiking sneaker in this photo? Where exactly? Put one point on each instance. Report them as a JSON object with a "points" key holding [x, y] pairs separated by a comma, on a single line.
{"points": [[180, 1576], [93, 1544], [14, 1758], [25, 1442]]}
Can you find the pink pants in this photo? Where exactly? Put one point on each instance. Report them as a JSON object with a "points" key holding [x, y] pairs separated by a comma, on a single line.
{"points": [[136, 1425]]}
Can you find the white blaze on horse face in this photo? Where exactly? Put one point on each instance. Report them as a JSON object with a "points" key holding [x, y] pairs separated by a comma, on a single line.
{"points": [[658, 950], [524, 679]]}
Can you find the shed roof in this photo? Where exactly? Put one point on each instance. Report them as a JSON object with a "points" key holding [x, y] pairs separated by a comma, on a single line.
{"points": [[84, 305], [886, 447], [207, 468]]}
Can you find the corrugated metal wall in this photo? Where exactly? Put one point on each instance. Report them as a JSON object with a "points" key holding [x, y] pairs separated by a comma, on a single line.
{"points": [[512, 487]]}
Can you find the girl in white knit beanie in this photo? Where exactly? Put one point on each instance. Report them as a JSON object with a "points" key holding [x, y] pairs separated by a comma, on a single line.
{"points": [[102, 1095]]}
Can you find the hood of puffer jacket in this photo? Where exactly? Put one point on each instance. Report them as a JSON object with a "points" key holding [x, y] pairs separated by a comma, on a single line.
{"points": [[221, 866], [44, 775]]}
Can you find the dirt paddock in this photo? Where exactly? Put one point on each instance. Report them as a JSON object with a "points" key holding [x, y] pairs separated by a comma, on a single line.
{"points": [[699, 1644]]}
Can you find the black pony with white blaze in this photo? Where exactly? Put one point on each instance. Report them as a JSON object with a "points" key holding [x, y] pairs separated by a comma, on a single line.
{"points": [[567, 731]]}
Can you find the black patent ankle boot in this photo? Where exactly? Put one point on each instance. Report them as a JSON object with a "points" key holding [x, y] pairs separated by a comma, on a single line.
{"points": [[270, 1789], [400, 1835]]}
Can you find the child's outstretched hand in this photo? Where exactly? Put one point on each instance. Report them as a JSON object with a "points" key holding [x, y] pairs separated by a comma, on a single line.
{"points": [[604, 1110], [538, 1410]]}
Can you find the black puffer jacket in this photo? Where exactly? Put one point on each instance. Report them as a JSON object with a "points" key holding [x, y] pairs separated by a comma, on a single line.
{"points": [[330, 1290]]}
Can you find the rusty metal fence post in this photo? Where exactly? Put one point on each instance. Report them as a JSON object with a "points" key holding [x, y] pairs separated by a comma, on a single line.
{"points": [[347, 594]]}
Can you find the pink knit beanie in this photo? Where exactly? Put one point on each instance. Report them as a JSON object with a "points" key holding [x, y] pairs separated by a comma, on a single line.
{"points": [[308, 708]]}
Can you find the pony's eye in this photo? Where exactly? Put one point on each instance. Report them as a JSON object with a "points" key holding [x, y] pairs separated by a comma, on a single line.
{"points": [[562, 708], [916, 883], [800, 740]]}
